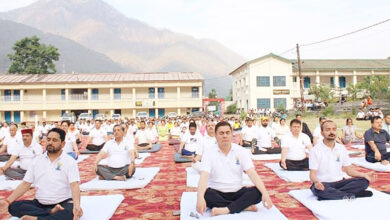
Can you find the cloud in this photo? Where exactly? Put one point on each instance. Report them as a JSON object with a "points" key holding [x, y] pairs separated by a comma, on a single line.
{"points": [[7, 5]]}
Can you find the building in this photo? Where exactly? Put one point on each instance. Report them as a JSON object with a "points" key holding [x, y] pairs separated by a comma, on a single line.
{"points": [[25, 97], [271, 80]]}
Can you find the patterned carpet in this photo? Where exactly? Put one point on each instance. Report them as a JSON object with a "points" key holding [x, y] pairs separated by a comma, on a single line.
{"points": [[161, 197]]}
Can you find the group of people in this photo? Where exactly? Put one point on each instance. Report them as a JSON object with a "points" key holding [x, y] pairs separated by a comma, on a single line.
{"points": [[368, 115], [51, 165]]}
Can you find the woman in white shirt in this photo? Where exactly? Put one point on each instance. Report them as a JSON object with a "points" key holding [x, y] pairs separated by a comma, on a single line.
{"points": [[349, 134], [282, 129]]}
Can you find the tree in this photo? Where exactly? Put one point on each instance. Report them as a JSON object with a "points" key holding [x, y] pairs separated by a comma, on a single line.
{"points": [[320, 91], [377, 86], [232, 109], [353, 90], [212, 94], [32, 57], [230, 96]]}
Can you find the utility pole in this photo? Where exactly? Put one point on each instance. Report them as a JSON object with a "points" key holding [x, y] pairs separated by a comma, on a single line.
{"points": [[300, 78]]}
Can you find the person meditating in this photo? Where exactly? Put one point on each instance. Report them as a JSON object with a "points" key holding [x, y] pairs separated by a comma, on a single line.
{"points": [[326, 162], [265, 135], [208, 141], [10, 142], [26, 153], [56, 178], [190, 142], [248, 133], [376, 141], [141, 137], [220, 185], [294, 145], [120, 157], [98, 136]]}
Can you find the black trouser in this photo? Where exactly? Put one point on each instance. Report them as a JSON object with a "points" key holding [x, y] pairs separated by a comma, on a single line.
{"points": [[295, 165], [93, 147], [108, 173], [271, 150], [4, 157], [384, 156], [246, 143], [234, 201], [340, 189], [34, 208]]}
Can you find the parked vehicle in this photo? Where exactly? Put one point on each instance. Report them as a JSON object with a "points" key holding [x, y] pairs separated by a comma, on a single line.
{"points": [[116, 116], [142, 115], [68, 117], [172, 115], [101, 117], [85, 116]]}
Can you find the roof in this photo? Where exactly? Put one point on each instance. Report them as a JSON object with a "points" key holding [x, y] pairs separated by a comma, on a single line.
{"points": [[98, 77], [262, 58], [342, 64]]}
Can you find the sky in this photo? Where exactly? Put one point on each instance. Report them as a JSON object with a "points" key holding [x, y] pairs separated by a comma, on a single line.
{"points": [[253, 28]]}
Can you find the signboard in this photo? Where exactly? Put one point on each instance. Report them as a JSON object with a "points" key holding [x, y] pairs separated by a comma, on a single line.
{"points": [[138, 103], [281, 92], [211, 108]]}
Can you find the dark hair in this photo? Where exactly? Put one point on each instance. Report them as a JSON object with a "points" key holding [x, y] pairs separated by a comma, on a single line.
{"points": [[123, 129], [142, 122], [222, 123], [295, 121], [58, 131], [192, 125], [282, 119], [299, 114], [325, 122], [67, 122], [23, 123], [16, 125], [321, 118], [346, 121], [375, 118], [98, 121]]}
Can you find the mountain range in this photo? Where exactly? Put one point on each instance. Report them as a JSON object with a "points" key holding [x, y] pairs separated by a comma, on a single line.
{"points": [[132, 44]]}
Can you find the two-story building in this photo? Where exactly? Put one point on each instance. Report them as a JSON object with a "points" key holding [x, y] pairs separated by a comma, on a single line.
{"points": [[271, 80], [25, 97]]}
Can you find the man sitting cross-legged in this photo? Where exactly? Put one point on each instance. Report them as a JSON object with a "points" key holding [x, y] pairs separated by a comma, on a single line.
{"points": [[220, 186], [326, 161], [294, 145], [376, 141], [208, 141], [141, 137], [98, 135], [190, 142], [56, 178], [265, 135], [26, 152], [120, 156]]}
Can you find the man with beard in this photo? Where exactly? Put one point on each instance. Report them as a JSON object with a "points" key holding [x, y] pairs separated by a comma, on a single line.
{"points": [[26, 153], [56, 178], [265, 135], [98, 136], [141, 137], [120, 156], [190, 142], [326, 162]]}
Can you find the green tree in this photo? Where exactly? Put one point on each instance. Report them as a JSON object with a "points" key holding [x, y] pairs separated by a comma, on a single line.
{"points": [[377, 86], [321, 91], [353, 90], [32, 57], [230, 96], [231, 109], [212, 94]]}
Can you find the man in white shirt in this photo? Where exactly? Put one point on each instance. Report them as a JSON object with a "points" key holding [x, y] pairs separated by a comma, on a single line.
{"points": [[208, 141], [26, 153], [317, 136], [4, 131], [248, 133], [120, 157], [294, 145], [141, 137], [360, 115], [98, 136], [190, 142], [56, 179], [326, 162], [220, 185], [265, 135], [10, 143], [70, 142], [151, 133]]}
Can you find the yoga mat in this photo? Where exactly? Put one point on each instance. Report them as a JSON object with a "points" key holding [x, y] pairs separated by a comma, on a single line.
{"points": [[180, 159], [289, 176], [139, 160], [155, 148], [361, 161], [8, 184], [86, 151], [188, 205]]}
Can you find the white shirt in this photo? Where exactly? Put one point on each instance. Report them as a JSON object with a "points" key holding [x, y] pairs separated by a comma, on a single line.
{"points": [[97, 136], [73, 135], [317, 133], [134, 128], [52, 179], [192, 142], [118, 154], [3, 132], [360, 115], [206, 143], [69, 141], [151, 134], [12, 143], [226, 171], [327, 162], [264, 137], [27, 154], [142, 136], [296, 147], [248, 133], [281, 131], [175, 131]]}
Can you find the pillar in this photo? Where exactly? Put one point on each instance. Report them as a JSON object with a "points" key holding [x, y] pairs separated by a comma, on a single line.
{"points": [[44, 115], [66, 95], [155, 93], [111, 112], [318, 78], [178, 111], [21, 116], [44, 96], [89, 111], [178, 98], [336, 79], [21, 96], [89, 94], [134, 95], [111, 94], [354, 79], [134, 113]]}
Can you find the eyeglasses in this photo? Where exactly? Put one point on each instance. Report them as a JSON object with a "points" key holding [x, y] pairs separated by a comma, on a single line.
{"points": [[194, 215]]}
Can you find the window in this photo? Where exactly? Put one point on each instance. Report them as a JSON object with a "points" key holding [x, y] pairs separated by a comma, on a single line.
{"points": [[17, 117], [16, 95], [62, 94], [279, 80], [95, 94], [262, 81], [306, 82], [331, 82], [280, 101], [117, 93], [294, 79], [94, 113], [7, 95], [342, 81], [263, 103], [151, 93], [160, 93], [195, 92]]}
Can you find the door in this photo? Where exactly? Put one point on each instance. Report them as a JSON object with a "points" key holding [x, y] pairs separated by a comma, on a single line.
{"points": [[161, 112], [7, 116], [94, 113], [17, 117], [152, 113]]}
